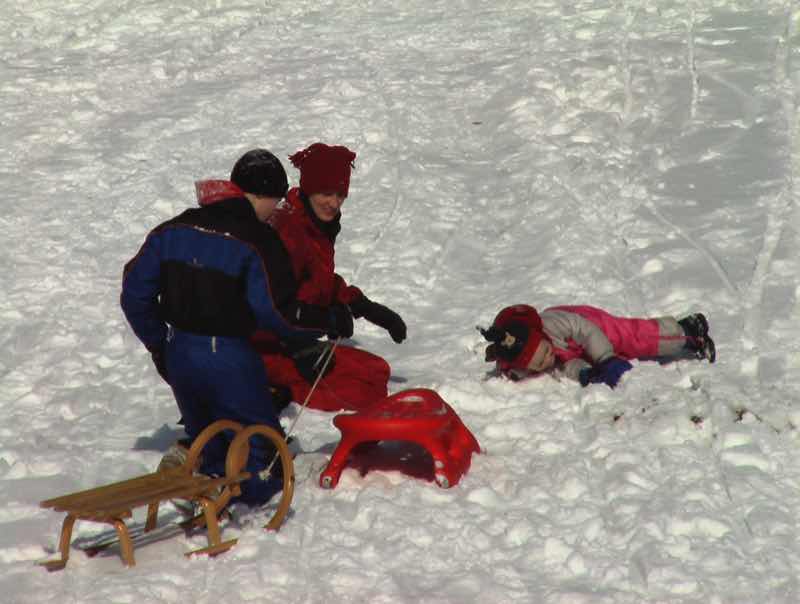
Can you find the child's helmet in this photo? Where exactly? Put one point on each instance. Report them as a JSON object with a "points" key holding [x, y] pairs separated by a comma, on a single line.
{"points": [[514, 335]]}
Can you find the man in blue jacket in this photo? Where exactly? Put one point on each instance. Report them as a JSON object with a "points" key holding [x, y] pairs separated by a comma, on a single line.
{"points": [[200, 286]]}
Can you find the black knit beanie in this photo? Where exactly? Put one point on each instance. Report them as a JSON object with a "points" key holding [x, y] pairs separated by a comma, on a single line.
{"points": [[259, 172]]}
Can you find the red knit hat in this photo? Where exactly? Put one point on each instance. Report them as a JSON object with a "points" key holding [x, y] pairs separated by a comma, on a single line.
{"points": [[519, 327], [324, 169]]}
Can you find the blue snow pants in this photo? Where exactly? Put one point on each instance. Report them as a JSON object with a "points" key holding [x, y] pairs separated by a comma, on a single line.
{"points": [[212, 378]]}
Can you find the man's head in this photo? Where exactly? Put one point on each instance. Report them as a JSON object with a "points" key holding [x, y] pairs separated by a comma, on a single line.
{"points": [[260, 173], [518, 340], [324, 177]]}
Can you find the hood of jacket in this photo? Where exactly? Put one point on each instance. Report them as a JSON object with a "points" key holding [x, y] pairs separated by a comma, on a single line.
{"points": [[211, 191]]}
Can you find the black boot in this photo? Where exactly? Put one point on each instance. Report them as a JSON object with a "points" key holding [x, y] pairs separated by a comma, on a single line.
{"points": [[695, 326], [697, 339]]}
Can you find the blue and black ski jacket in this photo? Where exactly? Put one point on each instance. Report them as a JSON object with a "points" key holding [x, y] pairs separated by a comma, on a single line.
{"points": [[215, 270]]}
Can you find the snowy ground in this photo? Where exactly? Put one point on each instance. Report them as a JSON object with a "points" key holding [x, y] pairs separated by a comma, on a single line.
{"points": [[636, 155]]}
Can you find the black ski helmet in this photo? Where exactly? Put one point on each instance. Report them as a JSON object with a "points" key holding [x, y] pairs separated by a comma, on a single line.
{"points": [[259, 172]]}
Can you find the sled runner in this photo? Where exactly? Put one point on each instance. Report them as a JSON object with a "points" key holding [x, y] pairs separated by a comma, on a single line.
{"points": [[113, 503]]}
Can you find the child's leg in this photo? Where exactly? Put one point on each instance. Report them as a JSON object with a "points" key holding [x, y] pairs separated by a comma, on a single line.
{"points": [[357, 380], [687, 338], [632, 338], [672, 339]]}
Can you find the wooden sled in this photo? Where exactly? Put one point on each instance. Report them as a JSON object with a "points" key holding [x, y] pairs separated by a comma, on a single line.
{"points": [[113, 503]]}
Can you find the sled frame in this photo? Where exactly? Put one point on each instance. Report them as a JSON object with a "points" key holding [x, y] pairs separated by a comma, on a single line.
{"points": [[113, 503]]}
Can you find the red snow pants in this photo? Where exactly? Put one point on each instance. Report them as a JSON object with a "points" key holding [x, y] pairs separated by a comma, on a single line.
{"points": [[358, 379]]}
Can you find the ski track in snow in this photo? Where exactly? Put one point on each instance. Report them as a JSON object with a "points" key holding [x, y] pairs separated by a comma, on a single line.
{"points": [[639, 156]]}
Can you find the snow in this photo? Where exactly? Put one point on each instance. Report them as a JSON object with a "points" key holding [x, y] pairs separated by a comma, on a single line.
{"points": [[639, 156]]}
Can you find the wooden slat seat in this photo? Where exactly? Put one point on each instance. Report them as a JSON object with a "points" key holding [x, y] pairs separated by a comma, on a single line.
{"points": [[133, 489], [113, 503]]}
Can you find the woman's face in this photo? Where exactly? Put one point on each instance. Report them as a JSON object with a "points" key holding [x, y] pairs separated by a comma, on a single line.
{"points": [[543, 359], [326, 205]]}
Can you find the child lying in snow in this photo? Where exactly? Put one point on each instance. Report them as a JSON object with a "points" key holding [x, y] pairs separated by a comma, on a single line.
{"points": [[588, 344]]}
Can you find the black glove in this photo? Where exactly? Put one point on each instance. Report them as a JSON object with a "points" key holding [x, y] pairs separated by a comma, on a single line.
{"points": [[380, 315], [335, 320], [608, 372], [340, 321], [309, 360], [160, 361]]}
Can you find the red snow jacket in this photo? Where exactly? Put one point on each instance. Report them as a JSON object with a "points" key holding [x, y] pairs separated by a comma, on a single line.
{"points": [[311, 249], [358, 378]]}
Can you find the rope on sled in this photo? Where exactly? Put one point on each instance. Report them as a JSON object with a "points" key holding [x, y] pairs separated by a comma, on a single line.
{"points": [[324, 359]]}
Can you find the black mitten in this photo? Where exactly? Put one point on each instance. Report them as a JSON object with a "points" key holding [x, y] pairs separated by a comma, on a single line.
{"points": [[335, 320], [340, 321], [380, 315], [309, 360]]}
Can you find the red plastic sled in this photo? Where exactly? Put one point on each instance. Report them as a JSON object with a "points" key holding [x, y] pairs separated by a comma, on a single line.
{"points": [[420, 416]]}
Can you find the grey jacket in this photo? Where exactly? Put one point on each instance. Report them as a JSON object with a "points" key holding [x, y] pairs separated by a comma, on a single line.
{"points": [[562, 325]]}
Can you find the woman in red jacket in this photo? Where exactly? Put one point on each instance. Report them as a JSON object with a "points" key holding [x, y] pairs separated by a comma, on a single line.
{"points": [[308, 223]]}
